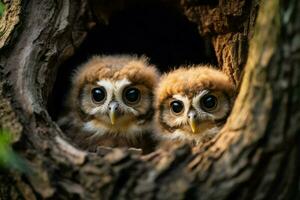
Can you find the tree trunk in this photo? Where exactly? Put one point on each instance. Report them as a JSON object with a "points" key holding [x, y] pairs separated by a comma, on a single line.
{"points": [[255, 156]]}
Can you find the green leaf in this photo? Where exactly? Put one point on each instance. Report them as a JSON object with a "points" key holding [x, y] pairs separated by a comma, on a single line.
{"points": [[2, 8], [8, 158]]}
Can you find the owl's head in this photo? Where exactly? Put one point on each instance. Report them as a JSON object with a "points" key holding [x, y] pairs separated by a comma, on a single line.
{"points": [[114, 94], [193, 103]]}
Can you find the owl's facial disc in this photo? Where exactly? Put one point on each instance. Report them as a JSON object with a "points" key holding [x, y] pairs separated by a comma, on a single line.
{"points": [[131, 96], [116, 102], [196, 114], [204, 104], [178, 107]]}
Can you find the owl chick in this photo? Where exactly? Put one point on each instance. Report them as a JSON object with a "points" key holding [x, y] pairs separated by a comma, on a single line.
{"points": [[111, 103], [192, 104]]}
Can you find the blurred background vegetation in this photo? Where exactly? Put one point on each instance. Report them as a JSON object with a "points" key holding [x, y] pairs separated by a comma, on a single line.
{"points": [[2, 8], [8, 158]]}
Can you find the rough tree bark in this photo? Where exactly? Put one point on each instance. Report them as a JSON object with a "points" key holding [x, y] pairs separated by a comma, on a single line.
{"points": [[255, 156]]}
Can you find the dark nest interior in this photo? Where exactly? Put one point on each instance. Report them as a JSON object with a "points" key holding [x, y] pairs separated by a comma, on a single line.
{"points": [[160, 32]]}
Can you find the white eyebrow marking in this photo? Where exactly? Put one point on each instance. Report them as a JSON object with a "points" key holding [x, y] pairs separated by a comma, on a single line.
{"points": [[108, 85], [115, 85], [121, 83], [180, 97]]}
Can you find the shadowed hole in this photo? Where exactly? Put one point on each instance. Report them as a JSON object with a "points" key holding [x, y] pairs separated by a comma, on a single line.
{"points": [[160, 32]]}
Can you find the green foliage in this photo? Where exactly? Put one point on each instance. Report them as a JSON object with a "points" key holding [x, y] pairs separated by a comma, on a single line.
{"points": [[2, 8], [8, 158]]}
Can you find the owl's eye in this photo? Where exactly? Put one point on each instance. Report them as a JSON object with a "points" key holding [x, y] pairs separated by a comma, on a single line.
{"points": [[131, 95], [98, 94], [208, 102], [176, 107]]}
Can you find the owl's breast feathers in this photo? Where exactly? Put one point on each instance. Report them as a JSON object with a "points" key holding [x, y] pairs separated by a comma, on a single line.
{"points": [[91, 134]]}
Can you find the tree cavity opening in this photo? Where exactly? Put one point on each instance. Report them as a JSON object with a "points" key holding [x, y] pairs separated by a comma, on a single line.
{"points": [[160, 32]]}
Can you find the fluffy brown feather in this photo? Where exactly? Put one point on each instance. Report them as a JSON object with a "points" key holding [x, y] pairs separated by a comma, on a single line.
{"points": [[88, 124], [190, 80], [190, 86]]}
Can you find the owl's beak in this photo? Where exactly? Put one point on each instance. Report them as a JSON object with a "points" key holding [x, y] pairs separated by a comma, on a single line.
{"points": [[113, 106], [192, 120]]}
